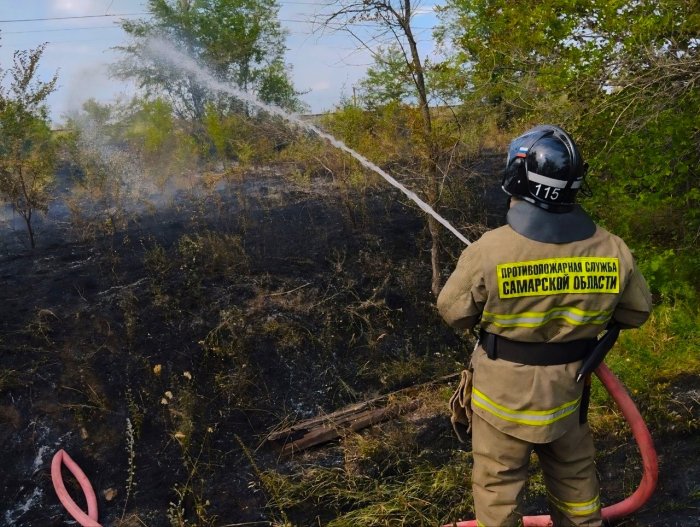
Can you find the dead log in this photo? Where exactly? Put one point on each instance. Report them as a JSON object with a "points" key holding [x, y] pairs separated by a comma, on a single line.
{"points": [[328, 427], [339, 428]]}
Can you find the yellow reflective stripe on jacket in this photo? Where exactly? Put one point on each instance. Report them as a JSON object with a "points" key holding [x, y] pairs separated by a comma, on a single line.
{"points": [[533, 319], [574, 508], [479, 524], [524, 417]]}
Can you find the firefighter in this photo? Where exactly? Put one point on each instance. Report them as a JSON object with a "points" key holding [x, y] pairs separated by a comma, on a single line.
{"points": [[542, 288]]}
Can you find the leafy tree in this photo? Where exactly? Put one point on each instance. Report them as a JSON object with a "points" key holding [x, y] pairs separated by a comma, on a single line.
{"points": [[622, 76], [241, 41], [643, 137], [388, 80], [521, 56], [152, 125], [27, 148]]}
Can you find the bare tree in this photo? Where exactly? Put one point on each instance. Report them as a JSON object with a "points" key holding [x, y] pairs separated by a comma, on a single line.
{"points": [[393, 19]]}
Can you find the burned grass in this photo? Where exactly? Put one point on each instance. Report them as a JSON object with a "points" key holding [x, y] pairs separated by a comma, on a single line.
{"points": [[162, 353]]}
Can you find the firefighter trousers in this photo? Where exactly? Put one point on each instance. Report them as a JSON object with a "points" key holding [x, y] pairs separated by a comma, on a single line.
{"points": [[500, 471]]}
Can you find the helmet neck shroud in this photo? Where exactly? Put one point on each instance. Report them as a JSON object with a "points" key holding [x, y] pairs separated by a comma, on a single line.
{"points": [[537, 224], [545, 168]]}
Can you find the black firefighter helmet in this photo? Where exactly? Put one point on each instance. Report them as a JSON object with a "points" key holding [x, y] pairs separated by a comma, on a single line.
{"points": [[545, 168]]}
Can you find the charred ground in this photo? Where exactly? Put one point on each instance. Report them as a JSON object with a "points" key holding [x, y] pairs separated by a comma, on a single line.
{"points": [[163, 347]]}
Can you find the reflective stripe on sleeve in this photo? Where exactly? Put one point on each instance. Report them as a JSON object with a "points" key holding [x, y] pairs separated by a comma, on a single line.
{"points": [[524, 417], [576, 508], [533, 319]]}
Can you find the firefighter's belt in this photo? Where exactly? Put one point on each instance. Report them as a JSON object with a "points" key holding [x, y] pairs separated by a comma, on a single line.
{"points": [[535, 353]]}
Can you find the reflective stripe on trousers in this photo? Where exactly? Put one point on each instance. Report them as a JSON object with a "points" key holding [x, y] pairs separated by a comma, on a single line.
{"points": [[524, 417], [573, 508]]}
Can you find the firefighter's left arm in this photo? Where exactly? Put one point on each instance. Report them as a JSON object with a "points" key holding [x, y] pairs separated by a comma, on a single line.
{"points": [[462, 299], [634, 306]]}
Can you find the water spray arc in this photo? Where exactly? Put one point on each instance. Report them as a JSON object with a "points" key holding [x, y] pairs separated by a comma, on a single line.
{"points": [[161, 49]]}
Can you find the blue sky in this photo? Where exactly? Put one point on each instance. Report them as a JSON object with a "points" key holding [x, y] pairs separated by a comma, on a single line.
{"points": [[327, 65]]}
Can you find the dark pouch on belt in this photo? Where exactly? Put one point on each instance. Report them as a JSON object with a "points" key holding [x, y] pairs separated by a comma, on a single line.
{"points": [[585, 400]]}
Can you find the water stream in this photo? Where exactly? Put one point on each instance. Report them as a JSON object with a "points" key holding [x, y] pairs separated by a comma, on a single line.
{"points": [[164, 50]]}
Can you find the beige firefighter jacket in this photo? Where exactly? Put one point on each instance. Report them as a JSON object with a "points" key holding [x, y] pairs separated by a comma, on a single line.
{"points": [[531, 291]]}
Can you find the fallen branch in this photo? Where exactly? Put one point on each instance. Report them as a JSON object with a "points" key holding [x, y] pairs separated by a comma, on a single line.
{"points": [[122, 287], [290, 291], [328, 427]]}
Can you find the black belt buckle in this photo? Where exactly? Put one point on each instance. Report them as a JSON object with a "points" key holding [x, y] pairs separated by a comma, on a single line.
{"points": [[488, 342]]}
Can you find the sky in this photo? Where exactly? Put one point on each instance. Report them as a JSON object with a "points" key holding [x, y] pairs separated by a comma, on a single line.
{"points": [[325, 64]]}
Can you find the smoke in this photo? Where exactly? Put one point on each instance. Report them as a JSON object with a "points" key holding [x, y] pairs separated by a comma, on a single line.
{"points": [[91, 81], [114, 166]]}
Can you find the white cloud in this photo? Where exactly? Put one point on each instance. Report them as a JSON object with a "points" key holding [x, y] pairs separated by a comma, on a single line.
{"points": [[76, 7], [321, 85], [424, 10]]}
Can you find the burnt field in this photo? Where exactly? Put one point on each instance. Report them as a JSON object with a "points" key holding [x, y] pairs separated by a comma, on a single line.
{"points": [[160, 348]]}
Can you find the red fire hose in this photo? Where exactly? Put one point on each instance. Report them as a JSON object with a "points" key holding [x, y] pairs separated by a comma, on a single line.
{"points": [[646, 448], [85, 520]]}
